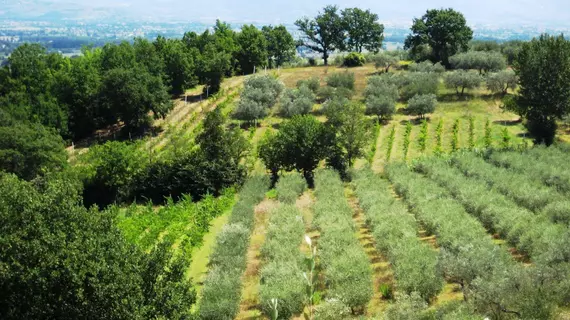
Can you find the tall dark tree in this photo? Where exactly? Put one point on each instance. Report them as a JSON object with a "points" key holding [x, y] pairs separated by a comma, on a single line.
{"points": [[30, 150], [445, 31], [280, 45], [62, 261], [179, 65], [300, 144], [364, 30], [252, 49], [325, 33], [543, 67], [130, 94]]}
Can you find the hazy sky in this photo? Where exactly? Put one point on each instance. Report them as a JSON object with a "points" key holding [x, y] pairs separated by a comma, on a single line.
{"points": [[496, 12]]}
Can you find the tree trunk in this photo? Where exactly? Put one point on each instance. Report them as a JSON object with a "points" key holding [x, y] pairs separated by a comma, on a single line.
{"points": [[326, 57]]}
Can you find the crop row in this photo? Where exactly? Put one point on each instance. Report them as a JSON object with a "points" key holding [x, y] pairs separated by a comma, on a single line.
{"points": [[394, 230], [463, 241], [185, 221], [531, 234], [551, 173], [491, 280], [528, 193], [346, 267], [282, 273], [221, 293]]}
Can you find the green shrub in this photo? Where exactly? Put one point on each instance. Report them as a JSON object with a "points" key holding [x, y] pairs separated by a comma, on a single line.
{"points": [[297, 102], [407, 307], [461, 80], [488, 134], [332, 309], [423, 136], [282, 280], [420, 105], [438, 138], [390, 144], [313, 83], [455, 136], [341, 80], [558, 211], [381, 97], [290, 187], [426, 66], [353, 59], [407, 134], [416, 83], [387, 291]]}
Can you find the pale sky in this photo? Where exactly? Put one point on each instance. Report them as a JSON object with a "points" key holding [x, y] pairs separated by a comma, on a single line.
{"points": [[496, 12]]}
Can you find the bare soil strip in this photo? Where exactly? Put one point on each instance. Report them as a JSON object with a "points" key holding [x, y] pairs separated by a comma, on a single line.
{"points": [[382, 272], [249, 306]]}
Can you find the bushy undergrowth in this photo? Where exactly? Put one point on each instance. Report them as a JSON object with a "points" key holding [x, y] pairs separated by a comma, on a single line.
{"points": [[414, 263], [345, 265], [290, 187], [282, 274], [221, 293], [185, 221]]}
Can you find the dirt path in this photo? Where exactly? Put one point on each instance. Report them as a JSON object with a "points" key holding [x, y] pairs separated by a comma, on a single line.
{"points": [[305, 203], [249, 306], [381, 270]]}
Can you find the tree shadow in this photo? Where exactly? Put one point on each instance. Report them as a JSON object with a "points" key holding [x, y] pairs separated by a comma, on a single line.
{"points": [[508, 123], [453, 97], [191, 98]]}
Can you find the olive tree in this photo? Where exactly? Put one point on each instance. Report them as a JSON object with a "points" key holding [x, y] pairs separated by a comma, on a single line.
{"points": [[384, 61], [461, 80], [297, 101], [422, 104], [381, 98], [502, 81], [417, 83], [427, 66], [479, 60]]}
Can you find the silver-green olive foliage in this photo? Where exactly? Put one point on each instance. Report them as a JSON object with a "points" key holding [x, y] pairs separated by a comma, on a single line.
{"points": [[502, 81], [422, 104], [461, 80], [484, 61]]}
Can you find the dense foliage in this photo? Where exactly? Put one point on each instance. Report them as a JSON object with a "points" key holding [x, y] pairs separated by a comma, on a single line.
{"points": [[443, 32], [58, 251], [353, 29], [543, 68]]}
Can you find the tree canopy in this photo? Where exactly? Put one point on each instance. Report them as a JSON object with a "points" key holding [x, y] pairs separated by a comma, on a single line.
{"points": [[543, 68], [61, 260], [325, 33], [280, 45], [363, 29], [445, 31]]}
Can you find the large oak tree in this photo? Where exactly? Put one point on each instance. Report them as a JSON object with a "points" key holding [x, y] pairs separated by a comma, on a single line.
{"points": [[325, 33], [445, 31]]}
